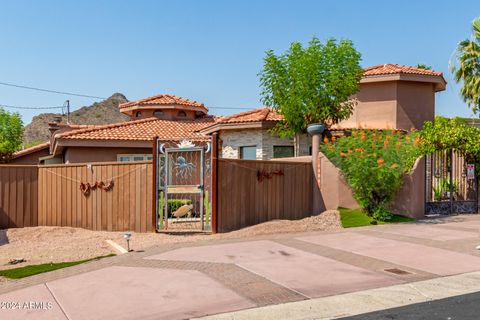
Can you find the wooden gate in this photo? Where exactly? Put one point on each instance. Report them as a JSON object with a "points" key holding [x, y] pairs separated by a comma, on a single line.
{"points": [[251, 192], [182, 183]]}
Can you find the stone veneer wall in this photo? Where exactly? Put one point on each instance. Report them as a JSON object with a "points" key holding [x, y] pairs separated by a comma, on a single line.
{"points": [[232, 140]]}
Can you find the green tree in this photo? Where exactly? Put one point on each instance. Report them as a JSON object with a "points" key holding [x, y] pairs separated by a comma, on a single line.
{"points": [[11, 131], [423, 66], [467, 68], [455, 133], [311, 84]]}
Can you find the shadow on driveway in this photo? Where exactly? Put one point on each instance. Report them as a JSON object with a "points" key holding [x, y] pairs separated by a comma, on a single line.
{"points": [[3, 237]]}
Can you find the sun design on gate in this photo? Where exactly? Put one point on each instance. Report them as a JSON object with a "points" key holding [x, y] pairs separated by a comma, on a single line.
{"points": [[183, 168]]}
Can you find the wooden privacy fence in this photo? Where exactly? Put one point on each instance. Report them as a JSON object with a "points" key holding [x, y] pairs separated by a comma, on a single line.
{"points": [[52, 196], [248, 193], [251, 192], [18, 196], [127, 205]]}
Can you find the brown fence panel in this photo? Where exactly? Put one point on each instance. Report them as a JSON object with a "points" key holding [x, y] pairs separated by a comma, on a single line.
{"points": [[18, 196], [243, 200], [127, 206]]}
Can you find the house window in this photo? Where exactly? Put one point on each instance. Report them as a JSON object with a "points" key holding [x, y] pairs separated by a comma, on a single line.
{"points": [[133, 157], [158, 113], [182, 114], [283, 151], [138, 114], [248, 153]]}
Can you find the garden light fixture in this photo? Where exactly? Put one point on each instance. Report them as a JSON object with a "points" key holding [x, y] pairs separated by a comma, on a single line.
{"points": [[127, 236]]}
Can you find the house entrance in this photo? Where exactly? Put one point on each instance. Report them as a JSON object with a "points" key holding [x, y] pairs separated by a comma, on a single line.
{"points": [[451, 184], [183, 176]]}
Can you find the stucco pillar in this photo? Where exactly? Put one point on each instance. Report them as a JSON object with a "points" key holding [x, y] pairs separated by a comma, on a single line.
{"points": [[316, 130], [316, 183]]}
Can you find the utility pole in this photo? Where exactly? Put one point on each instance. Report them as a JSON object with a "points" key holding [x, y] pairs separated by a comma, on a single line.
{"points": [[67, 103]]}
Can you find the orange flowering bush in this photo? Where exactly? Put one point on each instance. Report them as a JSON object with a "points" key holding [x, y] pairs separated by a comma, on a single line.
{"points": [[373, 163]]}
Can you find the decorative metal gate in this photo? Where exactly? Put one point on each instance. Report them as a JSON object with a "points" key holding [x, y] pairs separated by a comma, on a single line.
{"points": [[182, 183], [451, 184]]}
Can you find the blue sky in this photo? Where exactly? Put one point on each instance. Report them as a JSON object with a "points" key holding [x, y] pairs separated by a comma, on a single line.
{"points": [[209, 51]]}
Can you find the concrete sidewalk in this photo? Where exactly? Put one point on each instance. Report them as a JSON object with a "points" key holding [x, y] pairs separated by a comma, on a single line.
{"points": [[294, 276], [362, 302]]}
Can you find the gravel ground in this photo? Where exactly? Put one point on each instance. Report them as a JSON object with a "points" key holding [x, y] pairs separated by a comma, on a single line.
{"points": [[58, 244]]}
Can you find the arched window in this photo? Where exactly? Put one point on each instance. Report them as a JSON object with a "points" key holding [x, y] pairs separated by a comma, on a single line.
{"points": [[182, 114], [138, 114], [158, 113]]}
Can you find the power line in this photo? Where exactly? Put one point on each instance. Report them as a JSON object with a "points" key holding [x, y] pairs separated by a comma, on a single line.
{"points": [[231, 108], [50, 91], [29, 108]]}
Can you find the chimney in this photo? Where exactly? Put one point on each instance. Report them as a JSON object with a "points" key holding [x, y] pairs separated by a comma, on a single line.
{"points": [[55, 125]]}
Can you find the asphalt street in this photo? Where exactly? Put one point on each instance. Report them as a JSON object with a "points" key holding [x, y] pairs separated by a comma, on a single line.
{"points": [[463, 307]]}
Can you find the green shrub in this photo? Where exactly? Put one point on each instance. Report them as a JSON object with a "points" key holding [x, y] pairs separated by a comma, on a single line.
{"points": [[206, 204], [161, 209], [373, 163], [443, 187], [455, 133]]}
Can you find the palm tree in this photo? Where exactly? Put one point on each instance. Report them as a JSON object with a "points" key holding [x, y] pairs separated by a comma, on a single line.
{"points": [[468, 67]]}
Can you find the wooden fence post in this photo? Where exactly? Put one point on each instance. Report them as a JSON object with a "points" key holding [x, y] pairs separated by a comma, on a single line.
{"points": [[214, 181], [154, 184]]}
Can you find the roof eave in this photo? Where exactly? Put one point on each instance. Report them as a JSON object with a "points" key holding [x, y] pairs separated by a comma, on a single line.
{"points": [[439, 82], [147, 106], [267, 124]]}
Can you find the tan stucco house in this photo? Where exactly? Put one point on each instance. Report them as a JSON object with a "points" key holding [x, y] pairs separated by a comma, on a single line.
{"points": [[391, 96]]}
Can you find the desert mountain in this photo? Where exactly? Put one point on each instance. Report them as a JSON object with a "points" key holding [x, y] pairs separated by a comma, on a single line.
{"points": [[104, 112]]}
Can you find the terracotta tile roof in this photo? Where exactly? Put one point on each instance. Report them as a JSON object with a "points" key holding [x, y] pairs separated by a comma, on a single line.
{"points": [[254, 115], [143, 130], [163, 99], [389, 68], [33, 149]]}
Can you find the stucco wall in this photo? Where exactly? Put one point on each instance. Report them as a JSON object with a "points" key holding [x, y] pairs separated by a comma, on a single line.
{"points": [[333, 187], [415, 104], [410, 199], [392, 104], [31, 158], [335, 191], [376, 106], [87, 154], [168, 114]]}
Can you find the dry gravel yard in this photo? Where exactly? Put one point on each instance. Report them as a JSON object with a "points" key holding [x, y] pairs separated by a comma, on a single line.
{"points": [[59, 244]]}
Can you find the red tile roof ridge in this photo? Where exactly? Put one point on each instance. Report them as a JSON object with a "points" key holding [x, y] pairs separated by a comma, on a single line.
{"points": [[262, 115], [31, 149], [143, 129], [171, 99], [394, 68], [89, 128]]}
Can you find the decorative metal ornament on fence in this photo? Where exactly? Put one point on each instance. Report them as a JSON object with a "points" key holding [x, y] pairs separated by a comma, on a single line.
{"points": [[183, 168], [263, 174], [87, 187]]}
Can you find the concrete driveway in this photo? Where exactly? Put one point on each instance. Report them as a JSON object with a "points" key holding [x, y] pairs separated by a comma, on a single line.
{"points": [[186, 281]]}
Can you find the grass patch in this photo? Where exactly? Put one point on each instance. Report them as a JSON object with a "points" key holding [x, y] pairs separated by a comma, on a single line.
{"points": [[28, 271], [357, 218]]}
